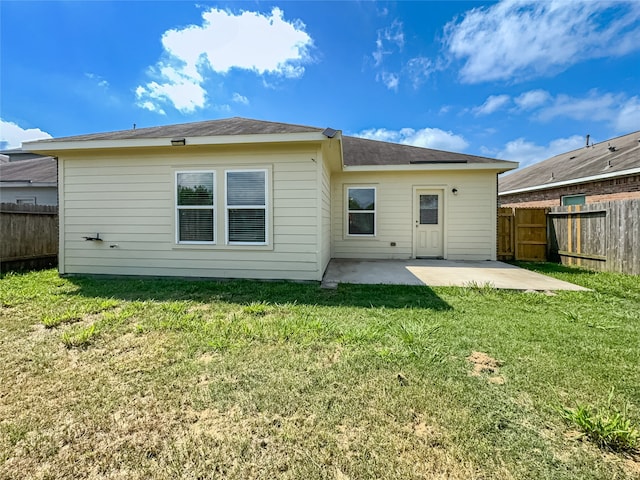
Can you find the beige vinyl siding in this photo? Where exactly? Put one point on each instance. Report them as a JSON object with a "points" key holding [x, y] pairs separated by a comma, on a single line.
{"points": [[471, 229], [469, 217], [130, 200], [61, 217], [325, 217]]}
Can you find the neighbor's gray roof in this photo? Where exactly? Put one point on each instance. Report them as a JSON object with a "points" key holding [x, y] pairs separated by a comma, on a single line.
{"points": [[18, 155], [357, 151], [598, 159], [40, 170]]}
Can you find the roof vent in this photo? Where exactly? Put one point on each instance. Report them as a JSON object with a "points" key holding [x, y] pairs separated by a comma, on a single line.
{"points": [[587, 140], [611, 148], [609, 165]]}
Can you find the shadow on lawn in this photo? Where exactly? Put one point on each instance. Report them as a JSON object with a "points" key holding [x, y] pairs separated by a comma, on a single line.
{"points": [[246, 292], [548, 267]]}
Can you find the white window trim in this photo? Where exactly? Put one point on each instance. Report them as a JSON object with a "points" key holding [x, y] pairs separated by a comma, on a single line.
{"points": [[374, 211], [562, 197], [194, 207], [238, 207]]}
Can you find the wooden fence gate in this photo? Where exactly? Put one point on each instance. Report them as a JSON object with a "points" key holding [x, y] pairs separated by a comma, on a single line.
{"points": [[506, 235], [599, 236], [522, 234]]}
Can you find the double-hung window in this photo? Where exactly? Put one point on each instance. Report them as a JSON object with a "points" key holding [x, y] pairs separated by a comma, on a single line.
{"points": [[361, 211], [246, 207], [195, 207]]}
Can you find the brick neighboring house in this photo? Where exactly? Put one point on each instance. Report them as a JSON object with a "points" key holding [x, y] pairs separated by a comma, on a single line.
{"points": [[601, 172]]}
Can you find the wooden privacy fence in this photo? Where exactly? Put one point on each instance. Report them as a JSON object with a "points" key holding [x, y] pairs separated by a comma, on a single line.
{"points": [[28, 236], [599, 236], [522, 234]]}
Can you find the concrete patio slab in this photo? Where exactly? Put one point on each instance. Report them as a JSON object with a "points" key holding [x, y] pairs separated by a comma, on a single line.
{"points": [[440, 273]]}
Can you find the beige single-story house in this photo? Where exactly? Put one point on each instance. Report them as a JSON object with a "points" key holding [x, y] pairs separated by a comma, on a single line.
{"points": [[241, 198]]}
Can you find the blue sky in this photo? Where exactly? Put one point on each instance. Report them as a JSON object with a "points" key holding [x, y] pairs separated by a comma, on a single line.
{"points": [[519, 81]]}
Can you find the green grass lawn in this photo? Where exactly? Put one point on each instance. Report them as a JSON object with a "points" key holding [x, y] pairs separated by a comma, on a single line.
{"points": [[147, 378]]}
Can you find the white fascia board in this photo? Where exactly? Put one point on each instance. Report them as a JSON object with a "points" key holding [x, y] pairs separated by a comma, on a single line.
{"points": [[575, 181], [47, 146], [500, 167], [10, 184]]}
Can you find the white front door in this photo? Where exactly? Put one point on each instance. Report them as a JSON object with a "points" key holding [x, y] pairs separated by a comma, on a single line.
{"points": [[428, 237]]}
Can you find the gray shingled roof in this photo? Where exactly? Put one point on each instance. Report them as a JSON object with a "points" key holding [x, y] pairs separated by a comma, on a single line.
{"points": [[361, 151], [357, 151], [40, 170], [18, 155], [226, 126], [598, 159]]}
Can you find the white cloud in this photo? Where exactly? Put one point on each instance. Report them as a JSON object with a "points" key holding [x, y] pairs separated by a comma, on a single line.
{"points": [[595, 106], [99, 80], [493, 103], [236, 97], [152, 107], [528, 153], [532, 99], [184, 92], [388, 39], [419, 69], [390, 80], [615, 109], [12, 135], [426, 137], [265, 44], [514, 40], [628, 116]]}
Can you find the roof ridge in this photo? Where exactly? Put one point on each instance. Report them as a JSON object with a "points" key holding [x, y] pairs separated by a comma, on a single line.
{"points": [[189, 129], [585, 146]]}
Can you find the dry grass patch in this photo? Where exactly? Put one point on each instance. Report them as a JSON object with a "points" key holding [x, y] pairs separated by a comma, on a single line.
{"points": [[484, 365]]}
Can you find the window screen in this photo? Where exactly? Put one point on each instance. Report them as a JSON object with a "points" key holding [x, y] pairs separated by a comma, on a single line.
{"points": [[247, 206], [361, 210], [428, 209], [195, 207]]}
